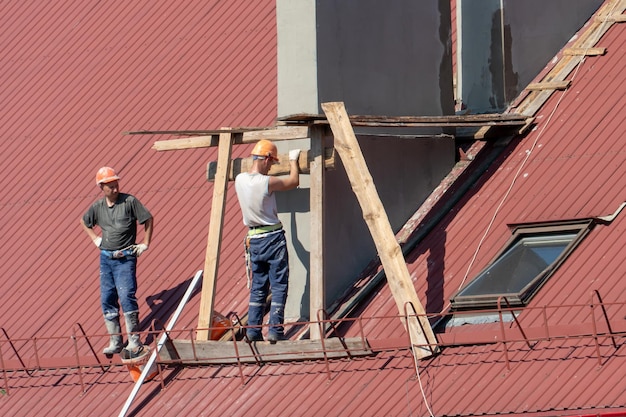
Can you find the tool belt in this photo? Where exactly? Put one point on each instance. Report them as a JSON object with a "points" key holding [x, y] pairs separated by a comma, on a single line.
{"points": [[118, 254], [259, 230]]}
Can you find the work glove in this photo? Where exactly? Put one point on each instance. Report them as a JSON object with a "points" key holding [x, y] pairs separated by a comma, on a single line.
{"points": [[97, 241], [139, 249], [294, 154]]}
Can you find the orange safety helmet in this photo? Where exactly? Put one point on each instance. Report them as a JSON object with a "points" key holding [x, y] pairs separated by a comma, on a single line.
{"points": [[106, 174], [266, 149]]}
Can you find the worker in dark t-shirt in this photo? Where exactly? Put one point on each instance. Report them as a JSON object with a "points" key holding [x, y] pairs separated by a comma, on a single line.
{"points": [[117, 215]]}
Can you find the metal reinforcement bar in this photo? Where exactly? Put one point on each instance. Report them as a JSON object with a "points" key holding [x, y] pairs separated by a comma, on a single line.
{"points": [[594, 320]]}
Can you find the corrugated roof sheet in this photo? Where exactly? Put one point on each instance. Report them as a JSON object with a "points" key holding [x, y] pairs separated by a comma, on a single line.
{"points": [[79, 76], [570, 166], [76, 76]]}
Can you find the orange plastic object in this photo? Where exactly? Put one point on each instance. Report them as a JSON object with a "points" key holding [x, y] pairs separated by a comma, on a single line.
{"points": [[220, 325], [136, 366]]}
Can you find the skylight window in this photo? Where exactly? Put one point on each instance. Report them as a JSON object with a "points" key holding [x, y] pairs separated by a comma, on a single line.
{"points": [[530, 257]]}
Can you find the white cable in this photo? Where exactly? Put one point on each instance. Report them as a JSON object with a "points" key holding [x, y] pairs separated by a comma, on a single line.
{"points": [[419, 380]]}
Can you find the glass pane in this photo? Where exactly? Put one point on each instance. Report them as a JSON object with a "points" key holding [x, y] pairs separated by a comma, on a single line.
{"points": [[519, 266]]}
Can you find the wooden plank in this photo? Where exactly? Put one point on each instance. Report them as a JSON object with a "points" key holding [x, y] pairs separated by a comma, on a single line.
{"points": [[213, 352], [374, 214], [365, 123], [600, 25], [453, 118], [301, 117], [584, 51], [305, 160], [553, 85], [316, 257], [456, 118], [615, 18], [205, 141], [425, 124], [208, 132], [533, 102], [618, 18], [185, 143], [214, 240]]}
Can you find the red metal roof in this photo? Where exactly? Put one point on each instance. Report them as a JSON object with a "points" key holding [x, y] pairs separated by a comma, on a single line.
{"points": [[78, 76], [571, 166], [75, 77]]}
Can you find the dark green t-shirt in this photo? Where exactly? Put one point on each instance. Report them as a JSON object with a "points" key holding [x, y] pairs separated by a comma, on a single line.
{"points": [[118, 223]]}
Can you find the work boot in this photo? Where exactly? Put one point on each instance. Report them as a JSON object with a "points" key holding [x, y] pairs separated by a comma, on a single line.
{"points": [[115, 340], [132, 327], [254, 336], [275, 337]]}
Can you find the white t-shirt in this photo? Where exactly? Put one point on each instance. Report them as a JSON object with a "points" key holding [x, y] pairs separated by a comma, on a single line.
{"points": [[258, 205]]}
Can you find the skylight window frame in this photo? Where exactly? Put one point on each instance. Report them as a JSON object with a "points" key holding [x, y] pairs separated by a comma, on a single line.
{"points": [[519, 232]]}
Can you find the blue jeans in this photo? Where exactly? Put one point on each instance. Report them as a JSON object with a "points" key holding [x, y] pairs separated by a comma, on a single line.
{"points": [[118, 281], [270, 272]]}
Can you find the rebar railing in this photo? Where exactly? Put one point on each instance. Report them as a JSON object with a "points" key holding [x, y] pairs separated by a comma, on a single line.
{"points": [[545, 323]]}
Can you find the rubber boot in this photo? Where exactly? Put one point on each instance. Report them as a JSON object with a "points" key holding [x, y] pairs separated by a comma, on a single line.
{"points": [[115, 340], [135, 348]]}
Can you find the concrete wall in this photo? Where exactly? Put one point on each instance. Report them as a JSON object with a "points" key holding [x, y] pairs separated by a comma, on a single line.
{"points": [[405, 171], [504, 44], [297, 57], [388, 58], [382, 58]]}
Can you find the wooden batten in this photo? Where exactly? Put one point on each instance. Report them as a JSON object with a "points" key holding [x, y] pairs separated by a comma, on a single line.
{"points": [[214, 240], [584, 51], [305, 160], [211, 138], [549, 85], [317, 288]]}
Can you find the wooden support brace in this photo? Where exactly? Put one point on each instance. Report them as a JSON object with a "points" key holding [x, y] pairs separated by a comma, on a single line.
{"points": [[389, 251], [316, 261], [214, 240], [305, 160]]}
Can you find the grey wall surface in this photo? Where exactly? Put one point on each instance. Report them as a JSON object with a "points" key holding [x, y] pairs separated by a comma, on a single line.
{"points": [[297, 57], [405, 171], [504, 45], [389, 58], [382, 58], [541, 37]]}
